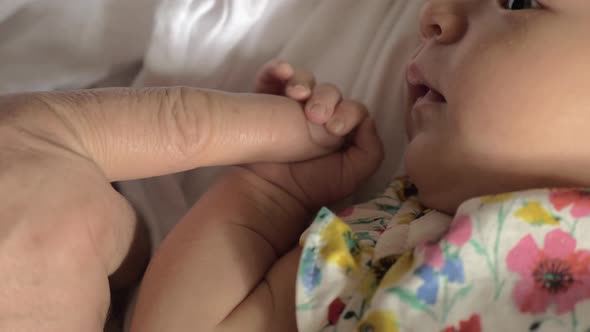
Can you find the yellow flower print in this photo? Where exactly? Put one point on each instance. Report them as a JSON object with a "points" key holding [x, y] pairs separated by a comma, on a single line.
{"points": [[340, 245], [492, 199], [410, 211], [534, 213], [368, 285], [385, 274], [398, 270], [378, 321], [403, 188], [406, 218]]}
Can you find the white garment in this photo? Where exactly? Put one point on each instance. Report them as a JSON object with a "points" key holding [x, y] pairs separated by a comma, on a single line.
{"points": [[361, 46]]}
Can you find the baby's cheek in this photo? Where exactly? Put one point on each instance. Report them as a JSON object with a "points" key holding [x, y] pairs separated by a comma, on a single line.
{"points": [[423, 159], [439, 161]]}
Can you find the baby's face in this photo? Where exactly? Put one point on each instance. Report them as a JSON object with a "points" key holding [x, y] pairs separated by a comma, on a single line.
{"points": [[509, 106]]}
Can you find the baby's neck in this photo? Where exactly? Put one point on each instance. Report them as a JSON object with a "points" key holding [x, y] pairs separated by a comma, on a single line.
{"points": [[449, 199]]}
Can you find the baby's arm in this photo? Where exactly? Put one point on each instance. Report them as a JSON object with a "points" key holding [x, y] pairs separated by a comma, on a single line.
{"points": [[221, 267]]}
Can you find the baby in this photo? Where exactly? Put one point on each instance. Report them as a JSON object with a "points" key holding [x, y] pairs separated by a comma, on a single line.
{"points": [[499, 99]]}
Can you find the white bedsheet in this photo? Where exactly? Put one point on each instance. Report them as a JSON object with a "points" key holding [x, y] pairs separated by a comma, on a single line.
{"points": [[359, 45]]}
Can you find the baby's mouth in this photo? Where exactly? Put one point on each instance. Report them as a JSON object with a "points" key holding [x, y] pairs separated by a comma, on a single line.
{"points": [[423, 92], [423, 97], [421, 89]]}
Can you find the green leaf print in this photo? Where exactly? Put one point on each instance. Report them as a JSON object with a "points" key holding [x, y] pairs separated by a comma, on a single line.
{"points": [[492, 256], [391, 209], [365, 236], [305, 307], [574, 225], [366, 221], [478, 248], [411, 299], [460, 293], [482, 251], [352, 243], [574, 320]]}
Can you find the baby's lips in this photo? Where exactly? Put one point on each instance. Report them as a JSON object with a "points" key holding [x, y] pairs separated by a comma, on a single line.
{"points": [[415, 83], [413, 74]]}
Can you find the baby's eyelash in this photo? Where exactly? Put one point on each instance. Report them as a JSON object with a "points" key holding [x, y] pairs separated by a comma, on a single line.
{"points": [[522, 4]]}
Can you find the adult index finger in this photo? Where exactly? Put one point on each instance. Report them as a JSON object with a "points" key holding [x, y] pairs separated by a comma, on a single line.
{"points": [[135, 133]]}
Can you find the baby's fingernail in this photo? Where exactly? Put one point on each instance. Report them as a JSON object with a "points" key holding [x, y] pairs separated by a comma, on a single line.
{"points": [[318, 110], [298, 89], [336, 126], [284, 67]]}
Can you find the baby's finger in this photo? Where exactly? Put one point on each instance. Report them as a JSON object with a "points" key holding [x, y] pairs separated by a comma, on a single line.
{"points": [[320, 107], [300, 85], [347, 116], [365, 154], [272, 77]]}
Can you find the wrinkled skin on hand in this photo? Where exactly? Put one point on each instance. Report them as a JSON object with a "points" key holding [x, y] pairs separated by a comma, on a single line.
{"points": [[64, 229]]}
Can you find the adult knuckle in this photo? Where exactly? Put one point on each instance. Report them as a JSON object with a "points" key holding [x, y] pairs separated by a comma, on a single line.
{"points": [[40, 117], [184, 127]]}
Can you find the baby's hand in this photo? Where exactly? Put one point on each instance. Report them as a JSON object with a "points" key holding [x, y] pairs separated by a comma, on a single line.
{"points": [[331, 119]]}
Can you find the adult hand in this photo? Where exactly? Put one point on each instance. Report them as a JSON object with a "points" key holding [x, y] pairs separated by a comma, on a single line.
{"points": [[63, 229]]}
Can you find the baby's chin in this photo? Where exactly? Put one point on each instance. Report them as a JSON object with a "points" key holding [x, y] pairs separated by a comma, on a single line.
{"points": [[440, 200], [440, 190], [446, 191], [431, 193]]}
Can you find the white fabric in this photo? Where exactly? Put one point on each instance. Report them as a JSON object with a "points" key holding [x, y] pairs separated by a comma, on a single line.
{"points": [[359, 45], [60, 44]]}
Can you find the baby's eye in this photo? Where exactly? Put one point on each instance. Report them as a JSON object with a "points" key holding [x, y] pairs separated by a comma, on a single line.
{"points": [[521, 4]]}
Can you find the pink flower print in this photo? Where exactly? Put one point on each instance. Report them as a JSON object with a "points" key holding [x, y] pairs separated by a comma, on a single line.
{"points": [[557, 275], [346, 212], [434, 256], [580, 199], [460, 231], [380, 230]]}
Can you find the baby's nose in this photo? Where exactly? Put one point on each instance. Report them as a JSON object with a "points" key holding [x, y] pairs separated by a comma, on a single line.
{"points": [[443, 20]]}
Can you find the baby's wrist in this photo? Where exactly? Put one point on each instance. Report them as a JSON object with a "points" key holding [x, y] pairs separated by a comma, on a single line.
{"points": [[280, 211]]}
